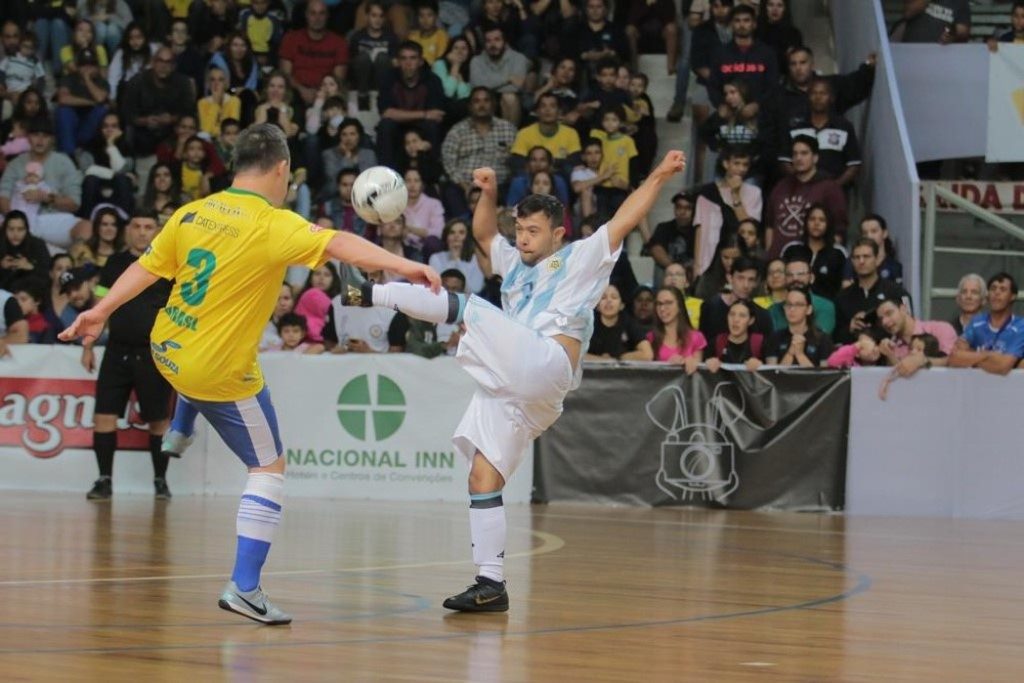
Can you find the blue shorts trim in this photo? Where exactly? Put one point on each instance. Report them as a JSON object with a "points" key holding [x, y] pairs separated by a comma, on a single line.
{"points": [[248, 427]]}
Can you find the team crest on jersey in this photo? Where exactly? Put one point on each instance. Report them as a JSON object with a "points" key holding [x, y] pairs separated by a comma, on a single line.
{"points": [[314, 228], [554, 264]]}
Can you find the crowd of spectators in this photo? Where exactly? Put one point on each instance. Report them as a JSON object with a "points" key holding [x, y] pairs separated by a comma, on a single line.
{"points": [[115, 106]]}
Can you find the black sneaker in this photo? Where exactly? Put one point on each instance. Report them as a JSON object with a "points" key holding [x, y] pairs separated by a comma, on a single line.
{"points": [[160, 486], [486, 595], [675, 113], [101, 490]]}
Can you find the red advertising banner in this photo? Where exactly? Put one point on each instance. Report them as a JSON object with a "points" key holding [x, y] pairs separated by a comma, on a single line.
{"points": [[44, 416], [1002, 198]]}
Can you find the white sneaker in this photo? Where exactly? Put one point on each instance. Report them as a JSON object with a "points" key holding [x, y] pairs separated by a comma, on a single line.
{"points": [[174, 444], [253, 604]]}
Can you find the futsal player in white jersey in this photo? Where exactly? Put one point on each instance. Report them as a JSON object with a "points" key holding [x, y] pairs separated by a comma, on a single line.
{"points": [[525, 358]]}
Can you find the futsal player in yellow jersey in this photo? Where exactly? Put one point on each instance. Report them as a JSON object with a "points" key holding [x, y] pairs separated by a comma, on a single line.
{"points": [[227, 254]]}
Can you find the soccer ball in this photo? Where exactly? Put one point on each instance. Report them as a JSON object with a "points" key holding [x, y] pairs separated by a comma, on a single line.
{"points": [[379, 195]]}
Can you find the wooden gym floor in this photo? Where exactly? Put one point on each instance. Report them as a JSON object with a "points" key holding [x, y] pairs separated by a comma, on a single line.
{"points": [[127, 591]]}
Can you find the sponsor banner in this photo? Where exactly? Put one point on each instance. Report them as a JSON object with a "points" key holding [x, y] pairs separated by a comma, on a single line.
{"points": [[353, 426], [1002, 198], [1006, 104], [47, 404], [752, 440], [374, 426]]}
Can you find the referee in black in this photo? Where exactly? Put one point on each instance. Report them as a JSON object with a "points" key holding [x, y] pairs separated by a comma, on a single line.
{"points": [[128, 364]]}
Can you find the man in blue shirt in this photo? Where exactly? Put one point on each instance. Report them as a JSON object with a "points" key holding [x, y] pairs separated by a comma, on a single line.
{"points": [[993, 341]]}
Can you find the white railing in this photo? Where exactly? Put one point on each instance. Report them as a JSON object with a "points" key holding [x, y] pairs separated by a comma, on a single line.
{"points": [[932, 193]]}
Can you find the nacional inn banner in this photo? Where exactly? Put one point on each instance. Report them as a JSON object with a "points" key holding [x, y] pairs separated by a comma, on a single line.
{"points": [[353, 426], [374, 426], [772, 439]]}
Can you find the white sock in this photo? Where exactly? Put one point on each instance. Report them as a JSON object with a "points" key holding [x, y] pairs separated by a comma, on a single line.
{"points": [[259, 514], [419, 302], [487, 529]]}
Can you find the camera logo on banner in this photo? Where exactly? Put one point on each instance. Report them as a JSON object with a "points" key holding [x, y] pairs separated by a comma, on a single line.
{"points": [[698, 462]]}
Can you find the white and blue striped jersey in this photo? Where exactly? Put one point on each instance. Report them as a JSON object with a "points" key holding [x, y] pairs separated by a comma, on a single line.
{"points": [[558, 294]]}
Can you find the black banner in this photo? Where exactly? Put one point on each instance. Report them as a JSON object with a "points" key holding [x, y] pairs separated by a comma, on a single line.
{"points": [[771, 439]]}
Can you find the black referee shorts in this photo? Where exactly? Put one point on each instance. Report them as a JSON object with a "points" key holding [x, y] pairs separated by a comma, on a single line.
{"points": [[125, 368]]}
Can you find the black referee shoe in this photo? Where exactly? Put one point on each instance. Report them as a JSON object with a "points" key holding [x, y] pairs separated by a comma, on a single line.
{"points": [[161, 490], [103, 489], [486, 595]]}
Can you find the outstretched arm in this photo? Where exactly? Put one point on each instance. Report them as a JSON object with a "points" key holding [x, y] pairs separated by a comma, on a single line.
{"points": [[89, 324], [639, 203], [367, 256], [485, 217]]}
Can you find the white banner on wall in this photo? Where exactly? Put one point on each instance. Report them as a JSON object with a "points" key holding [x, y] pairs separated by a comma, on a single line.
{"points": [[946, 443], [355, 426], [1006, 104], [943, 89]]}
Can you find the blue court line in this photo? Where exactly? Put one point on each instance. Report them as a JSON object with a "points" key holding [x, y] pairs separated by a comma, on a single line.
{"points": [[862, 584]]}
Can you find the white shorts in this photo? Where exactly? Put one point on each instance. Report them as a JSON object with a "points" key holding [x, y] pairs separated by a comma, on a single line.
{"points": [[522, 378], [55, 228]]}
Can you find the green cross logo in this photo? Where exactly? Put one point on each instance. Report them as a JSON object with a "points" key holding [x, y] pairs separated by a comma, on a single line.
{"points": [[382, 401]]}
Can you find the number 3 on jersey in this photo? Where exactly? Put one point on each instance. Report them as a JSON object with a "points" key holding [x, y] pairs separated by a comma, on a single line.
{"points": [[194, 291]]}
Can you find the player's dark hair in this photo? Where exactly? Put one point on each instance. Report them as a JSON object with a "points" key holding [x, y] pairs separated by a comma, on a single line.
{"points": [[808, 140], [607, 63], [737, 151], [865, 242], [744, 263], [545, 204], [801, 48], [1003, 277], [456, 273], [145, 212], [292, 320], [410, 46], [743, 9], [261, 146]]}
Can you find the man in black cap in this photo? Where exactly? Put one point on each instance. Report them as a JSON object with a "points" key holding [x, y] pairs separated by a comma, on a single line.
{"points": [[128, 365], [79, 283], [82, 97]]}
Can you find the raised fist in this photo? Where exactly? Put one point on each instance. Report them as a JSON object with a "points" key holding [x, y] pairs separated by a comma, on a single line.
{"points": [[485, 179]]}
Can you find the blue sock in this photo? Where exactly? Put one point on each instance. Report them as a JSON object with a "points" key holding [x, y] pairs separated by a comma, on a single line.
{"points": [[184, 421], [259, 514]]}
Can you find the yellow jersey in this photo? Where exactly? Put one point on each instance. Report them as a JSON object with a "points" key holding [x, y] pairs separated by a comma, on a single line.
{"points": [[211, 113], [178, 8], [564, 142], [227, 254], [616, 152], [693, 305], [434, 45]]}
